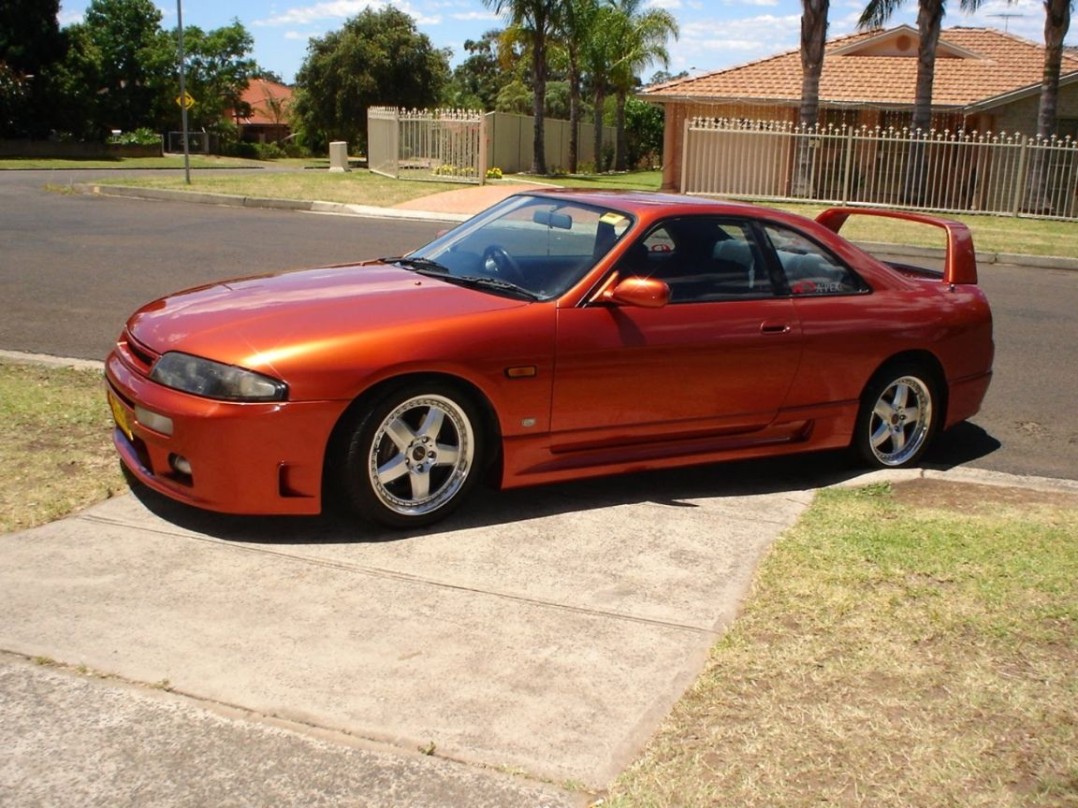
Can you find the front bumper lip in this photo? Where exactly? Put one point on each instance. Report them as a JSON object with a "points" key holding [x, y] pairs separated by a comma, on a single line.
{"points": [[245, 458]]}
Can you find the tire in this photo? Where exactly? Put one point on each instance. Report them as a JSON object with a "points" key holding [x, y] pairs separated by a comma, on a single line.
{"points": [[898, 416], [413, 457]]}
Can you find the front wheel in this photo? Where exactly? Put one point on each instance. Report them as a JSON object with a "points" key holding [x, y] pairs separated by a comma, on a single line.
{"points": [[898, 417], [412, 458]]}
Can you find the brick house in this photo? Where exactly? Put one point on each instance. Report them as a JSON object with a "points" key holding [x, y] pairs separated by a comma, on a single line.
{"points": [[268, 121], [985, 80]]}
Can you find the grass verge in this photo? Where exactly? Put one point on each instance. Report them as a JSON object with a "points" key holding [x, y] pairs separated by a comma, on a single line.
{"points": [[55, 444], [170, 161], [352, 188], [905, 646]]}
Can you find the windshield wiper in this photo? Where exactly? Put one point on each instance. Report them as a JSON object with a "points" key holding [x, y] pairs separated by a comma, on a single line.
{"points": [[493, 284], [417, 264]]}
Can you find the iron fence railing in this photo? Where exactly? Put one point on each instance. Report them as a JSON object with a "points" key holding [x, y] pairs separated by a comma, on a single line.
{"points": [[956, 172]]}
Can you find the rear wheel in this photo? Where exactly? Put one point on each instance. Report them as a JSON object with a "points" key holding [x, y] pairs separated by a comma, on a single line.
{"points": [[411, 459], [898, 417]]}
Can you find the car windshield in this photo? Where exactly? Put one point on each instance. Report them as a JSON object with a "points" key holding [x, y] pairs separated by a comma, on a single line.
{"points": [[534, 247]]}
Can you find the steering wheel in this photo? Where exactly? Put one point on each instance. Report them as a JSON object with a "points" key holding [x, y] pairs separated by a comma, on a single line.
{"points": [[500, 264]]}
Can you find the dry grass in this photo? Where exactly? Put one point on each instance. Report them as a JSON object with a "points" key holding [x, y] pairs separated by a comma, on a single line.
{"points": [[354, 187], [902, 648], [55, 444]]}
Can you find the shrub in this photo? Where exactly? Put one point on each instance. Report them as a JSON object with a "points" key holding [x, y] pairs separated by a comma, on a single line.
{"points": [[138, 137]]}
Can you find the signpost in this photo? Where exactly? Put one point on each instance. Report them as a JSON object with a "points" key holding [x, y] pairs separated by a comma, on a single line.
{"points": [[184, 100]]}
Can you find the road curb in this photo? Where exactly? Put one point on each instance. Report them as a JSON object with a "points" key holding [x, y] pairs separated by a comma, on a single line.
{"points": [[963, 475]]}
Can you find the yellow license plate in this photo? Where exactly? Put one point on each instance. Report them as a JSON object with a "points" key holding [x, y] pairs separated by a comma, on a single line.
{"points": [[123, 420]]}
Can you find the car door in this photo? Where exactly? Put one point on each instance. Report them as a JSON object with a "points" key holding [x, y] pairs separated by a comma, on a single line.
{"points": [[718, 359]]}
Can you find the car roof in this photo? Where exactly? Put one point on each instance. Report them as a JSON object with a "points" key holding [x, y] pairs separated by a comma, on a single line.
{"points": [[651, 205]]}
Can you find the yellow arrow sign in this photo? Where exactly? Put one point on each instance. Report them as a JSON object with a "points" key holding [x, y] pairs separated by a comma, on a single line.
{"points": [[185, 100]]}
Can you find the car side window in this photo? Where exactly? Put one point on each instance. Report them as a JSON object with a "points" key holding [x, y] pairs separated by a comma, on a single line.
{"points": [[702, 259], [810, 270]]}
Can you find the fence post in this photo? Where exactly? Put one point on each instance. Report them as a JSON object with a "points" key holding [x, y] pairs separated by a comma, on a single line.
{"points": [[848, 156], [482, 147], [1020, 183], [684, 155]]}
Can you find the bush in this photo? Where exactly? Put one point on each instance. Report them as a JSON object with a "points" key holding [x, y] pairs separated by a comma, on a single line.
{"points": [[494, 173], [269, 151], [139, 137]]}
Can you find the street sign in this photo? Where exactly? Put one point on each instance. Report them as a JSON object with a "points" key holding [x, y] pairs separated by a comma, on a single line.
{"points": [[185, 100]]}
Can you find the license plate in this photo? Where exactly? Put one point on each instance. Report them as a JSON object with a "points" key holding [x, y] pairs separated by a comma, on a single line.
{"points": [[123, 420]]}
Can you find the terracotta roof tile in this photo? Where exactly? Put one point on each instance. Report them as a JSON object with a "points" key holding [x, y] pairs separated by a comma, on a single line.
{"points": [[998, 63], [256, 95]]}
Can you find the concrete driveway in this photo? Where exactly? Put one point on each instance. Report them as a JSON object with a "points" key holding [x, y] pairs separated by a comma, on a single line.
{"points": [[543, 632]]}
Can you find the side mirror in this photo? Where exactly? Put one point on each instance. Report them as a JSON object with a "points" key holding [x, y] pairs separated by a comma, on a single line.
{"points": [[646, 293]]}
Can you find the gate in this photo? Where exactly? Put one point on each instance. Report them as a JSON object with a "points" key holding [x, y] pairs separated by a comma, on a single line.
{"points": [[435, 145]]}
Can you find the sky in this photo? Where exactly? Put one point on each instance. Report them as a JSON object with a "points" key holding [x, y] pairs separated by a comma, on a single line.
{"points": [[714, 34]]}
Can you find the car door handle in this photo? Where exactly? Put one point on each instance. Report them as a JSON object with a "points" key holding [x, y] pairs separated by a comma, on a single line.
{"points": [[774, 328]]}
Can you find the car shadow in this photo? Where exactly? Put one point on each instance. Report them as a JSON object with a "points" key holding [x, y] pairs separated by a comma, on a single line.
{"points": [[488, 507]]}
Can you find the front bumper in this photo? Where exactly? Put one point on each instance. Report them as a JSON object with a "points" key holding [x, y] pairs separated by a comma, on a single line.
{"points": [[244, 458]]}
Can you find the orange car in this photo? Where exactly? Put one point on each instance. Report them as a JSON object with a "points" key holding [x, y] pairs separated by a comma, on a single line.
{"points": [[557, 335]]}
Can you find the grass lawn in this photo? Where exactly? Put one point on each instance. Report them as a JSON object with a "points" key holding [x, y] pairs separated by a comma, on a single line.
{"points": [[911, 645], [55, 444], [906, 645]]}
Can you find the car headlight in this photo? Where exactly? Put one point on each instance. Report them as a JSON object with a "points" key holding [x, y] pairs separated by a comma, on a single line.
{"points": [[203, 377]]}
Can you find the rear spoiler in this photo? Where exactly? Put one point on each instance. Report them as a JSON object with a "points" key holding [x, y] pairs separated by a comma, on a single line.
{"points": [[960, 264]]}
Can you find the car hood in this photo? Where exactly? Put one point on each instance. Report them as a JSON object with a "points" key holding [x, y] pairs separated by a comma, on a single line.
{"points": [[262, 322]]}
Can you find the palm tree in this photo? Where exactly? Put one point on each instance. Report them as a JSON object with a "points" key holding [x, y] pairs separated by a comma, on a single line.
{"points": [[1057, 21], [537, 20], [1056, 25], [929, 21], [813, 42], [641, 40], [600, 50], [577, 23]]}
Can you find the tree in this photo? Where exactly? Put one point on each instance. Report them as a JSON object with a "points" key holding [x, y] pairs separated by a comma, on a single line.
{"points": [[1057, 20], [813, 43], [929, 22], [377, 58], [644, 124], [537, 20], [577, 22], [218, 69], [477, 80], [134, 70], [31, 45], [600, 51], [642, 35]]}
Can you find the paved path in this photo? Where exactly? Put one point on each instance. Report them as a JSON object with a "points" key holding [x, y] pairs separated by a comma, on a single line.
{"points": [[543, 632]]}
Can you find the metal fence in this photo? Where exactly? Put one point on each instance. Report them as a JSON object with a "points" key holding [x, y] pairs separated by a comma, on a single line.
{"points": [[197, 143], [438, 145], [952, 172]]}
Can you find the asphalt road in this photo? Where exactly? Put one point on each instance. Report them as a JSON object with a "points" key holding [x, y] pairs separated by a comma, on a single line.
{"points": [[73, 267]]}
